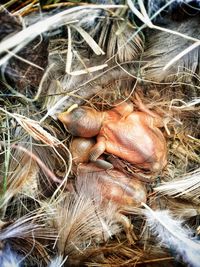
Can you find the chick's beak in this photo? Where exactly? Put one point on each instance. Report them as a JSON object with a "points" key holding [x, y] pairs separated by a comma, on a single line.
{"points": [[64, 117]]}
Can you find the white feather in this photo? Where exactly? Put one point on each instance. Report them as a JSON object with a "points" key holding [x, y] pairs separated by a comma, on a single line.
{"points": [[173, 235], [188, 185], [8, 258], [189, 104], [23, 227], [57, 261]]}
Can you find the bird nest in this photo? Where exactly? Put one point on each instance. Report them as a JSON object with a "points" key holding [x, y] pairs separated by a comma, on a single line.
{"points": [[62, 55]]}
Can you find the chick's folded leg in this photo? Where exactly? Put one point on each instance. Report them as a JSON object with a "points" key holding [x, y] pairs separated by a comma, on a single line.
{"points": [[144, 109], [96, 151], [128, 227]]}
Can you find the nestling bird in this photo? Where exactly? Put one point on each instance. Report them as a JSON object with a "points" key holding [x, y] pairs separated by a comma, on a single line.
{"points": [[131, 135], [125, 192], [107, 187]]}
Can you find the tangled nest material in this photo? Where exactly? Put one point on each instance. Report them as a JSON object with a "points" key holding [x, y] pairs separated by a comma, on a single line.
{"points": [[93, 55]]}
